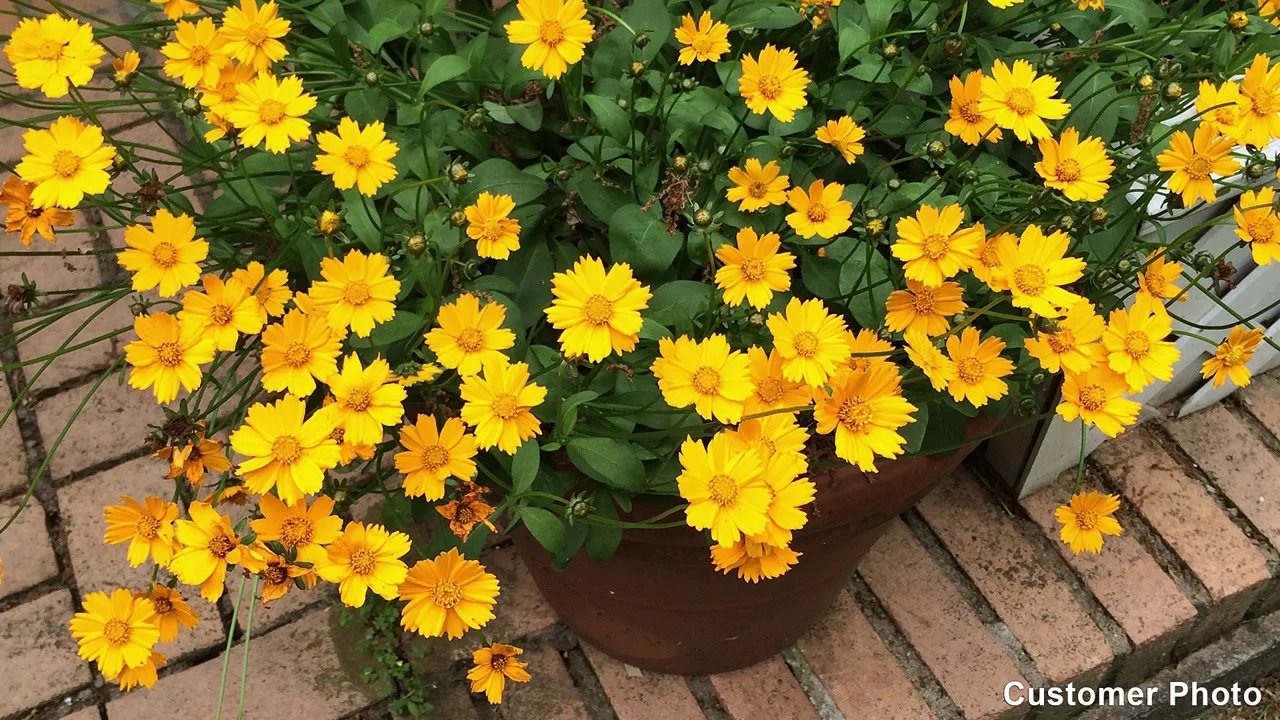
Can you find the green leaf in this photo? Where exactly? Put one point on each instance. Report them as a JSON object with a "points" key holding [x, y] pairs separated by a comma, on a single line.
{"points": [[363, 218], [878, 14], [913, 432], [442, 70], [763, 16], [608, 460], [1138, 14], [569, 410], [853, 38], [501, 177], [1093, 112], [545, 527], [524, 466], [327, 14], [679, 297], [603, 540], [641, 239], [611, 118], [400, 326], [367, 105], [385, 30]]}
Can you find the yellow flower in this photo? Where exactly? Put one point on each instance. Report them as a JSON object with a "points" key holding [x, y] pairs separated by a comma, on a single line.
{"points": [[270, 290], [866, 348], [706, 41], [224, 311], [277, 575], [1079, 169], [426, 372], [356, 292], [556, 32], [493, 666], [302, 530], [253, 34], [193, 459], [1230, 357], [820, 211], [53, 53], [146, 526], [776, 434], [1035, 268], [1136, 346], [355, 157], [1219, 107], [272, 110], [464, 513], [810, 340], [987, 260], [979, 368], [1257, 224], [597, 312], [125, 66], [174, 9], [753, 560], [115, 631], [433, 454], [724, 484], [1157, 281], [773, 83], [65, 162], [209, 545], [932, 245], [708, 375], [967, 121], [166, 256], [285, 450], [167, 353], [497, 403], [753, 270], [221, 95], [496, 234], [25, 218], [923, 309], [1074, 346], [1019, 100], [937, 367], [1096, 396], [1087, 519], [1258, 121], [470, 335], [788, 493], [1192, 163], [366, 399], [844, 135], [447, 596], [198, 54], [364, 558], [866, 410], [348, 451], [757, 187], [1091, 4], [145, 675], [769, 389], [329, 223], [298, 351], [172, 612]]}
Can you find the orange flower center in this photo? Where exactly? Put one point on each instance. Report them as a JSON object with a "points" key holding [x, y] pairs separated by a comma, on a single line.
{"points": [[220, 314], [491, 230], [163, 605], [498, 663], [550, 32], [356, 292], [297, 355], [970, 370], [1137, 345], [1029, 279], [286, 449], [1198, 167], [1264, 103], [148, 527], [1156, 283], [723, 489], [753, 269], [758, 190], [220, 545], [1087, 520], [255, 34], [1231, 355], [356, 156], [446, 594], [935, 246], [434, 457], [50, 50], [363, 562], [271, 111], [275, 574], [701, 44], [705, 380], [66, 163], [295, 532], [116, 632], [854, 414], [169, 354], [1262, 230], [988, 256], [770, 87], [1021, 101], [1062, 341], [1068, 170], [470, 340], [806, 344], [505, 406], [1093, 397], [969, 112], [165, 254], [200, 55], [922, 301], [817, 212], [359, 400], [598, 310], [769, 390]]}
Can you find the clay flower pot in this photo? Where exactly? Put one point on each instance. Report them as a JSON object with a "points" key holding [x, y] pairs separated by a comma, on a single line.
{"points": [[660, 605]]}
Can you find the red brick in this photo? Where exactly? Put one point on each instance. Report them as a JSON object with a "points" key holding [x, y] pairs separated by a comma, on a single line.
{"points": [[551, 694], [306, 670], [24, 547], [521, 609], [634, 693], [13, 471], [38, 658], [938, 622], [764, 691], [77, 363], [859, 673], [113, 424], [104, 567], [71, 269], [452, 701], [1263, 399], [89, 713]]}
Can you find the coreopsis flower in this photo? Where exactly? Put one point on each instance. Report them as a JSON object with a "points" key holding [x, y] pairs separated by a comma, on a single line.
{"points": [[488, 223], [253, 33], [147, 526], [810, 340], [1135, 344], [820, 211], [469, 334], [772, 82], [329, 223], [144, 676], [364, 558], [923, 309], [1016, 99], [753, 560], [224, 311], [1193, 162], [937, 367], [65, 163], [1091, 4], [366, 399], [277, 575], [229, 494], [1231, 357], [596, 311], [756, 186], [464, 513], [1219, 106], [167, 255], [933, 246], [1078, 168], [1096, 396], [1258, 120], [270, 290], [167, 353], [220, 96], [53, 53], [447, 596], [296, 352], [770, 390], [172, 612], [356, 157], [979, 368], [844, 135], [25, 218], [556, 32], [425, 373], [1073, 347], [865, 410], [709, 375], [285, 449], [987, 260], [197, 55], [209, 545], [357, 292], [220, 127], [967, 120], [1087, 519], [498, 404], [116, 631], [1034, 269], [348, 451], [493, 666], [704, 41], [174, 9], [125, 66], [303, 530], [1157, 280], [788, 493], [434, 453], [195, 458], [272, 110], [775, 434], [1257, 224], [724, 484], [753, 269]]}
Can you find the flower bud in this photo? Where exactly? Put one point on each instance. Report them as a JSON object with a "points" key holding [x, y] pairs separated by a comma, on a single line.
{"points": [[579, 507], [971, 175], [788, 150], [1172, 91], [458, 173], [1066, 222], [1204, 261], [329, 223], [1055, 27], [1039, 379], [416, 244], [889, 50], [371, 78], [637, 69], [1238, 20], [119, 163], [1145, 83], [871, 213], [954, 46], [640, 40], [1045, 325], [457, 218], [1098, 215], [426, 29], [190, 107], [1027, 406], [756, 319], [936, 148], [623, 103], [475, 120], [138, 308], [688, 84], [563, 175], [1124, 265], [704, 166], [680, 164], [875, 227], [894, 184], [702, 218], [1255, 171]]}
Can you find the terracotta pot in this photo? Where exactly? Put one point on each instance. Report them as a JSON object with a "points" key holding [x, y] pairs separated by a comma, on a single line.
{"points": [[660, 605]]}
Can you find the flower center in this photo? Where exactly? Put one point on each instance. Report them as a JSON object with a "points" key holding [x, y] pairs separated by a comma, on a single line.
{"points": [[295, 532], [922, 301], [169, 354], [1068, 170], [723, 490], [255, 35], [220, 545], [1137, 345], [806, 344], [148, 527], [550, 32], [969, 112], [220, 314], [227, 91], [434, 457], [1087, 519], [271, 111], [116, 632], [363, 562], [935, 246], [758, 190], [491, 231], [446, 594], [275, 574], [31, 211], [163, 605], [598, 310], [753, 269], [297, 355], [200, 55], [1232, 357], [470, 340], [970, 370], [1062, 341], [1022, 101], [1156, 283], [701, 44], [1264, 104], [854, 413], [356, 156], [1093, 397], [1199, 166], [359, 400], [50, 50], [286, 449], [66, 163], [1225, 116], [498, 663], [1029, 279], [988, 256], [770, 87], [769, 390], [356, 292], [165, 254], [1262, 230], [505, 406], [817, 212], [859, 364], [705, 380]]}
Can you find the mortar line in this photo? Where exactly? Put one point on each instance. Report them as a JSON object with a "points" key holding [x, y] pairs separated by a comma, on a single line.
{"points": [[814, 689]]}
